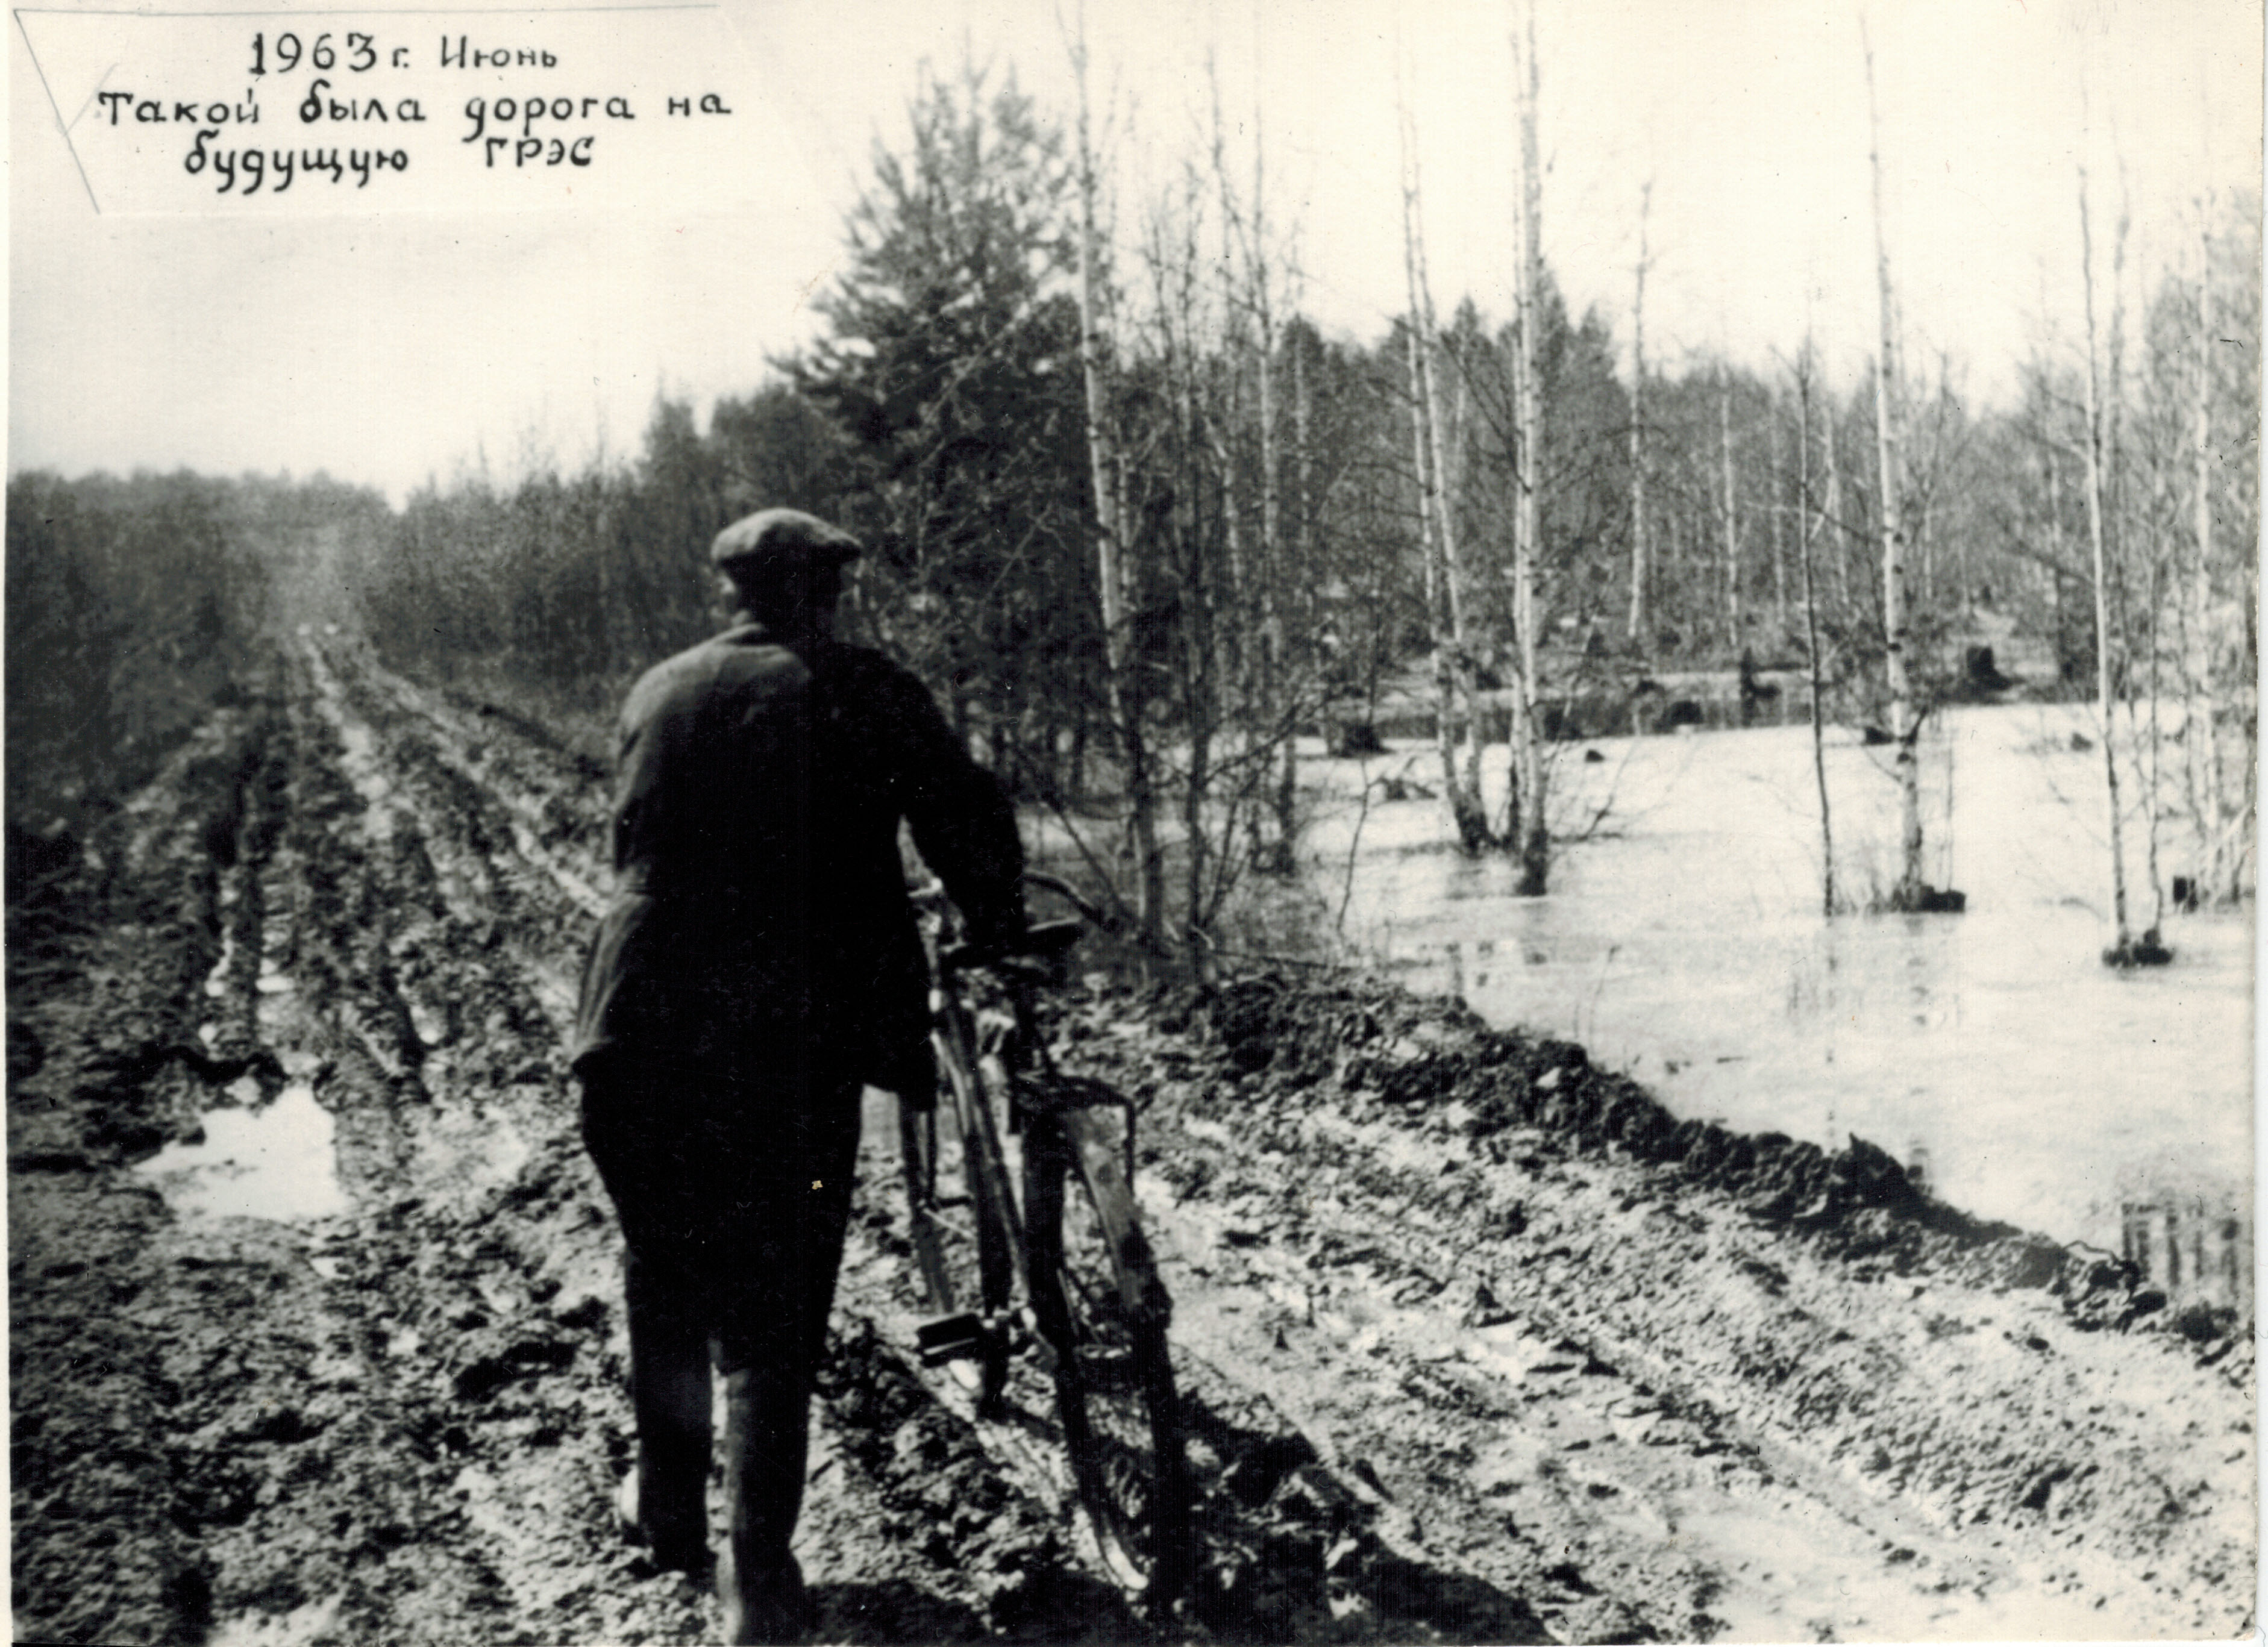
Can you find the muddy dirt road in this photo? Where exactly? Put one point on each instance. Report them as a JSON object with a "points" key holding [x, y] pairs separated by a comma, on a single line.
{"points": [[315, 1337]]}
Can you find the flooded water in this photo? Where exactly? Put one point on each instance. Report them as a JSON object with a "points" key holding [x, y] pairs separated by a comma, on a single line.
{"points": [[274, 1163], [1682, 942]]}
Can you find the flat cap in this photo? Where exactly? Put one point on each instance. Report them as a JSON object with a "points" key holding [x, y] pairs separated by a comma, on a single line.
{"points": [[781, 537]]}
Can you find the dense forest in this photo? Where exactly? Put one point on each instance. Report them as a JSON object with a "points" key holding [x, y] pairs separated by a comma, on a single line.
{"points": [[1142, 524], [132, 605]]}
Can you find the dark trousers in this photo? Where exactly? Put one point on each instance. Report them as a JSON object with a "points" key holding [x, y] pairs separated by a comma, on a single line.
{"points": [[732, 1196]]}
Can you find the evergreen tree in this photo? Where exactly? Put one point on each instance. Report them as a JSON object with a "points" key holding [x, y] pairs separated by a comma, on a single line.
{"points": [[951, 373]]}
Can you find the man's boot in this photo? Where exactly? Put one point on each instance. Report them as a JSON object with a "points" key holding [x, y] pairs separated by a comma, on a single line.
{"points": [[758, 1581], [665, 1500], [771, 1607]]}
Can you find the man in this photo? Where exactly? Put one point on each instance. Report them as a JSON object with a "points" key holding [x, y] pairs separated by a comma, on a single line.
{"points": [[758, 964]]}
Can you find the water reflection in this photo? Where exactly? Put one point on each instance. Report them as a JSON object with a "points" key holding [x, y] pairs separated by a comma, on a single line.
{"points": [[2198, 1247]]}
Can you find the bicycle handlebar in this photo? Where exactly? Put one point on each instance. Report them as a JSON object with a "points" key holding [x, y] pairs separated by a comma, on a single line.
{"points": [[1045, 944], [1036, 955]]}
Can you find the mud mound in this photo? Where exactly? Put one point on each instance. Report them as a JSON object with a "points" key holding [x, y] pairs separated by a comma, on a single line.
{"points": [[1414, 1056]]}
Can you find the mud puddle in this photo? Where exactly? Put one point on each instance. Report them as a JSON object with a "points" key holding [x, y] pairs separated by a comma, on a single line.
{"points": [[276, 1162]]}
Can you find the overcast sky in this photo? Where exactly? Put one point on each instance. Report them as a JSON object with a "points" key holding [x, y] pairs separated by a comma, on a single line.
{"points": [[390, 348]]}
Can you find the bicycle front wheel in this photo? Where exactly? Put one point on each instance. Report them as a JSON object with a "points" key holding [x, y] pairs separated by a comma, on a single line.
{"points": [[1100, 1305], [963, 1225]]}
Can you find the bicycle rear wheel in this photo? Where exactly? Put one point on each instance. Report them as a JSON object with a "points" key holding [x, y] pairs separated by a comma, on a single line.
{"points": [[1100, 1303]]}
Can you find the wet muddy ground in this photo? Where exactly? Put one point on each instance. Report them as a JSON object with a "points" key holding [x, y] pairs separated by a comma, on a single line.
{"points": [[314, 1335]]}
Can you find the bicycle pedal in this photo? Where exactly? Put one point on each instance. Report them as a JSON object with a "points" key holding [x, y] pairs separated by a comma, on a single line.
{"points": [[951, 1338]]}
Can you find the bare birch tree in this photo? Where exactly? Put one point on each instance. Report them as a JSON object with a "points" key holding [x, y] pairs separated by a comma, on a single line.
{"points": [[1452, 666], [1529, 826], [1113, 546], [2201, 741], [1911, 892], [1178, 315], [1728, 514], [2121, 952], [1251, 279], [1637, 628], [2134, 536], [1809, 523]]}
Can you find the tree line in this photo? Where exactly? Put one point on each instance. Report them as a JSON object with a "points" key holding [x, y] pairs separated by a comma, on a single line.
{"points": [[1141, 523], [131, 605]]}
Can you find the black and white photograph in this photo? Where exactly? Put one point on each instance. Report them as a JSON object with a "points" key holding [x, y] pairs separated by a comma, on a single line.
{"points": [[1210, 821]]}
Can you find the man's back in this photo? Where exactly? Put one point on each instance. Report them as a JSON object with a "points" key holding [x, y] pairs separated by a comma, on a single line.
{"points": [[760, 896]]}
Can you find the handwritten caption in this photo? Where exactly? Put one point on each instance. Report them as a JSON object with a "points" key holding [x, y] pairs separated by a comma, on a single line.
{"points": [[198, 113]]}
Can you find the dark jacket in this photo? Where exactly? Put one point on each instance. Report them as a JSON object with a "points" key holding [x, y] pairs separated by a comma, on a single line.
{"points": [[759, 926]]}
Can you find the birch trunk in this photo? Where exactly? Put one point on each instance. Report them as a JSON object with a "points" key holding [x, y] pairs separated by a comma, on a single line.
{"points": [[1906, 723], [1238, 655], [1276, 695], [1204, 648], [1204, 716], [1475, 734], [1809, 522], [1831, 504], [2152, 777], [1113, 551], [2201, 740], [1730, 518], [2122, 939], [1636, 630], [1451, 661], [1531, 830], [1776, 480], [2120, 510]]}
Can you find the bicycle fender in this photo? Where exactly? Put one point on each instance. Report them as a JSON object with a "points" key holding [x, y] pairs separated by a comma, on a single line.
{"points": [[1100, 1147]]}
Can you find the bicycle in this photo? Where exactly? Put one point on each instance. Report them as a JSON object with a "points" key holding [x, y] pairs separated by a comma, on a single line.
{"points": [[1059, 1275]]}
